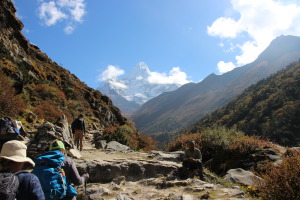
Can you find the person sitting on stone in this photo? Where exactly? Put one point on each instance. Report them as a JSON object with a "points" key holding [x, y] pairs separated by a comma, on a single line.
{"points": [[193, 160], [13, 158], [69, 168]]}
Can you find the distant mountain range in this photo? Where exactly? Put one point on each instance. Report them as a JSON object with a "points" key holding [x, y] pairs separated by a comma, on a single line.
{"points": [[176, 110], [270, 109], [135, 89]]}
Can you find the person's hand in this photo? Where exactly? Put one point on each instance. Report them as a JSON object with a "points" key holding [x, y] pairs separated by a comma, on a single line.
{"points": [[86, 176]]}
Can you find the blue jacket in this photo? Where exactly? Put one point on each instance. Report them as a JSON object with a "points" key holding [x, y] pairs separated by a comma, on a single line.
{"points": [[29, 187]]}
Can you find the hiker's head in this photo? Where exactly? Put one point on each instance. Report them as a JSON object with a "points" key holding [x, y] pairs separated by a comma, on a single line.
{"points": [[57, 145], [81, 116], [191, 144], [13, 156]]}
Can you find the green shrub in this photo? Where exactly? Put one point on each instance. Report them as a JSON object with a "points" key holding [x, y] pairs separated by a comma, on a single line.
{"points": [[281, 182], [4, 53], [118, 134], [10, 103], [181, 141], [243, 146], [48, 110], [215, 140]]}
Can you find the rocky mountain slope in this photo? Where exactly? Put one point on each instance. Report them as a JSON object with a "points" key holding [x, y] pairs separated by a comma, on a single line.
{"points": [[270, 109], [178, 109], [46, 89], [135, 89]]}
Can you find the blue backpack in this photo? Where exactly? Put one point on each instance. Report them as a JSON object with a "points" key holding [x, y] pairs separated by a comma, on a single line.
{"points": [[48, 168]]}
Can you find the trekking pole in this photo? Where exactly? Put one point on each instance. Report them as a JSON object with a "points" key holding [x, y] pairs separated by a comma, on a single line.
{"points": [[85, 183]]}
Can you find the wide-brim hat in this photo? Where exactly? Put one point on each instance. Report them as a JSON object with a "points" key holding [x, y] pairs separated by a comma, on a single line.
{"points": [[15, 150]]}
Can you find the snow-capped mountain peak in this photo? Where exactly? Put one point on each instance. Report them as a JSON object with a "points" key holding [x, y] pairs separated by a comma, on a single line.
{"points": [[135, 87]]}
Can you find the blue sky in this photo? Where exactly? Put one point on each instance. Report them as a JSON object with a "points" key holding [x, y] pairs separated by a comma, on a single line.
{"points": [[180, 40]]}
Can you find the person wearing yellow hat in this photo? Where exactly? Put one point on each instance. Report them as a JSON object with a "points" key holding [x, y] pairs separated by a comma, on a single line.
{"points": [[70, 170], [12, 159]]}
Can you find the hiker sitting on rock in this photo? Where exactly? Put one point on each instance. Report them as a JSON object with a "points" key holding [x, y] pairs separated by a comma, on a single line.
{"points": [[193, 160], [13, 158]]}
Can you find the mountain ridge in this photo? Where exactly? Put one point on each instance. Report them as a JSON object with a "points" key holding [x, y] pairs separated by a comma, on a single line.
{"points": [[269, 109], [213, 92]]}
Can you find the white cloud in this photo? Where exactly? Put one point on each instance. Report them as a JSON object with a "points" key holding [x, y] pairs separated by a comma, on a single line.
{"points": [[69, 29], [50, 14], [261, 20], [225, 67], [111, 73], [175, 76], [224, 28], [76, 8], [69, 11]]}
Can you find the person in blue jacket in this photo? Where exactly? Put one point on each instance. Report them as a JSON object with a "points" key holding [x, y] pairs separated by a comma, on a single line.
{"points": [[13, 158]]}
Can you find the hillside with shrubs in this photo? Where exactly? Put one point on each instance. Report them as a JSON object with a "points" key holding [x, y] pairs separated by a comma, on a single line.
{"points": [[263, 120], [269, 109], [35, 88]]}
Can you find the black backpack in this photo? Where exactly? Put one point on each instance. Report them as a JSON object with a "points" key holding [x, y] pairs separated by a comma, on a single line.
{"points": [[9, 184], [77, 124], [8, 131]]}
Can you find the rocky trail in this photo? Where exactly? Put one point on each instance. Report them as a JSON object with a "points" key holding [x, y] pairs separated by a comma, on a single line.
{"points": [[119, 173], [138, 175]]}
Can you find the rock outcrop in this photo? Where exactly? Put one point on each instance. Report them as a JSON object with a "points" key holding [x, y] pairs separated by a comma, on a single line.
{"points": [[133, 170], [241, 176]]}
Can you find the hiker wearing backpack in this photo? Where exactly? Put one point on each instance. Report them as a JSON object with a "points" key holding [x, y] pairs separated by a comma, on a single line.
{"points": [[78, 129], [8, 130], [57, 184], [15, 183]]}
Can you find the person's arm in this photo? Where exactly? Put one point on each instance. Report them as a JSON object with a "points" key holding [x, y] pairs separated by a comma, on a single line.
{"points": [[74, 176], [187, 154], [197, 155], [36, 190]]}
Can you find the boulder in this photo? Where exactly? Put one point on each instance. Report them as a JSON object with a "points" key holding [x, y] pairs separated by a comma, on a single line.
{"points": [[131, 170], [176, 156], [100, 144], [122, 197], [48, 132], [241, 176], [116, 146], [74, 153], [183, 197], [292, 151]]}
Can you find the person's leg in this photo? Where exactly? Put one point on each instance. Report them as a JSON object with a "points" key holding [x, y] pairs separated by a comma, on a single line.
{"points": [[76, 138], [186, 164], [81, 139], [199, 167], [184, 169]]}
